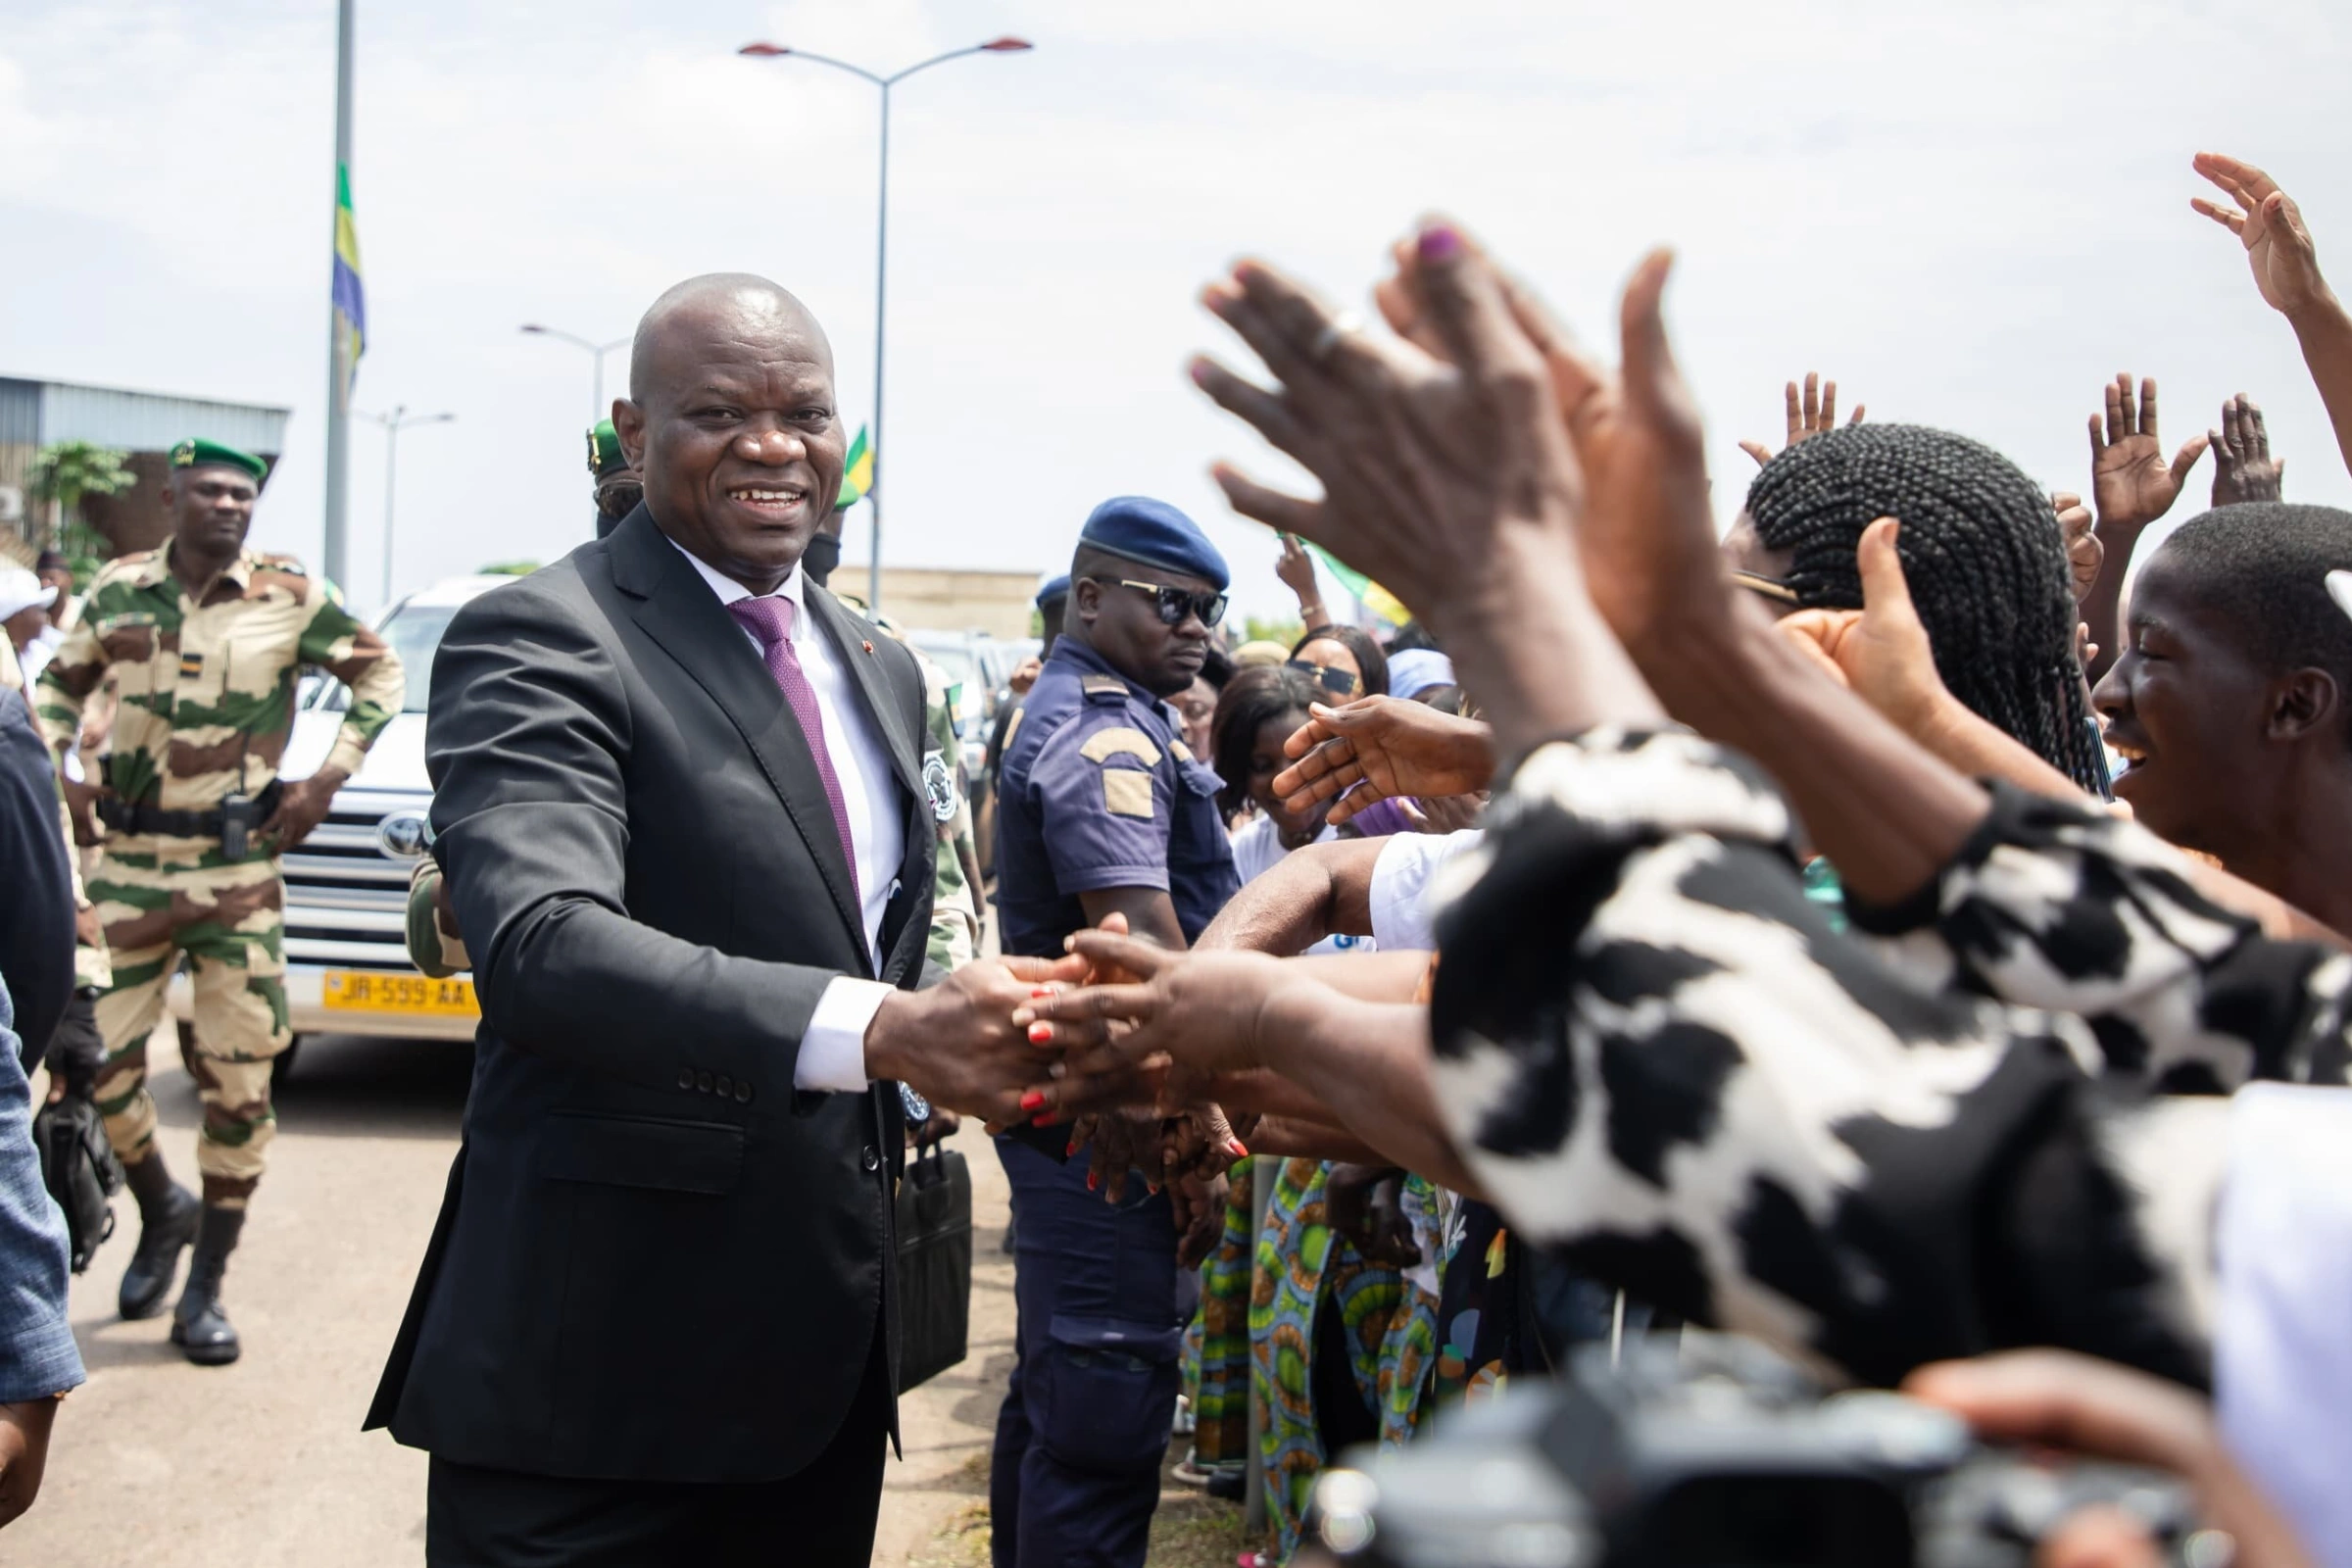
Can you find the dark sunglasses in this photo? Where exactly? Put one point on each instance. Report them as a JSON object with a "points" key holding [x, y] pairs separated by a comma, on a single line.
{"points": [[1339, 682], [1175, 604]]}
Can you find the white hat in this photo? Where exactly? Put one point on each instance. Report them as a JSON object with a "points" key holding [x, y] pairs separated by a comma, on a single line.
{"points": [[22, 590]]}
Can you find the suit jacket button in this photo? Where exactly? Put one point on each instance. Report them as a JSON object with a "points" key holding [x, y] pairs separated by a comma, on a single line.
{"points": [[685, 1077], [869, 1159], [743, 1094], [701, 1081], [726, 1086]]}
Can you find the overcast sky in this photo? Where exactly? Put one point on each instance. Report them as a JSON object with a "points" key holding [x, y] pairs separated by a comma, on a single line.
{"points": [[1971, 215]]}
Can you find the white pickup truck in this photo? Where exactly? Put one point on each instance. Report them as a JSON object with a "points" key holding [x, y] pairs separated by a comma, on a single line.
{"points": [[347, 885]]}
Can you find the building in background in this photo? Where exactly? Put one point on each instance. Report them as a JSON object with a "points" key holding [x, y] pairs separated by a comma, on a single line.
{"points": [[144, 426], [950, 598]]}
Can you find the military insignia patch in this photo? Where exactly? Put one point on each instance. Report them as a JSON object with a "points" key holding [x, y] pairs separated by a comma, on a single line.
{"points": [[940, 785]]}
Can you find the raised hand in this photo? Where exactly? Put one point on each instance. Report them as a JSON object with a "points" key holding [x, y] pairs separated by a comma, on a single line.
{"points": [[1381, 748], [2085, 554], [2243, 468], [1296, 570], [2267, 222], [1431, 471], [1815, 411], [2131, 484]]}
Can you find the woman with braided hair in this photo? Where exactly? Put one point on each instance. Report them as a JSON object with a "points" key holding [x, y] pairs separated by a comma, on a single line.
{"points": [[1983, 552]]}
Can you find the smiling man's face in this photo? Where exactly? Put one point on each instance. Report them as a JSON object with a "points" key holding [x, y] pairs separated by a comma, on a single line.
{"points": [[732, 425]]}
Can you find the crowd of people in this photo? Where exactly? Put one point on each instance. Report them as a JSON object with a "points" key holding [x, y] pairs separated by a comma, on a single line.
{"points": [[1896, 931]]}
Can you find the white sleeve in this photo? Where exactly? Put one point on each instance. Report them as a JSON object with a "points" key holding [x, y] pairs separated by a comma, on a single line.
{"points": [[833, 1050], [2283, 1234], [1403, 914]]}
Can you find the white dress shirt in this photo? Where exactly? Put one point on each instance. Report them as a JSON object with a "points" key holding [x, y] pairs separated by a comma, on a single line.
{"points": [[833, 1050]]}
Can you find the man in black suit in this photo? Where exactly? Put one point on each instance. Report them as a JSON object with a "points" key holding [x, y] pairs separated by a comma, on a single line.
{"points": [[678, 802]]}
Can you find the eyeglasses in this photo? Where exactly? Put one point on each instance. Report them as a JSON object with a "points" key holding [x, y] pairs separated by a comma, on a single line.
{"points": [[1175, 604], [1772, 588], [1333, 679]]}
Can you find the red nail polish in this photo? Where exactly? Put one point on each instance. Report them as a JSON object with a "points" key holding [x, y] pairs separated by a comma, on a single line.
{"points": [[1091, 1182], [1033, 1099], [1235, 1145], [1039, 1033], [1047, 1120], [1439, 243]]}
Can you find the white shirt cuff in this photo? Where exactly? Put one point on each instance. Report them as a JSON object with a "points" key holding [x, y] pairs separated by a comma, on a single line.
{"points": [[833, 1050]]}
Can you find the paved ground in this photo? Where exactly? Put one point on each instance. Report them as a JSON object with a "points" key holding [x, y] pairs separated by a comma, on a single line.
{"points": [[159, 1464]]}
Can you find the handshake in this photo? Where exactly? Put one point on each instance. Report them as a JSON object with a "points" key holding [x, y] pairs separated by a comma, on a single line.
{"points": [[1054, 1041]]}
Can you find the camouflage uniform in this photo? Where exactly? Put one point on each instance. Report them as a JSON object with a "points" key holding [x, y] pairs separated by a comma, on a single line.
{"points": [[955, 916], [207, 700]]}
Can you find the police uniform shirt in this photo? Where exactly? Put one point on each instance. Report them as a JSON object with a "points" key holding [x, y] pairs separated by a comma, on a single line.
{"points": [[1100, 791]]}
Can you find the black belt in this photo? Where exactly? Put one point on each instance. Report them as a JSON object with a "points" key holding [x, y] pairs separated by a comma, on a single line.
{"points": [[137, 820]]}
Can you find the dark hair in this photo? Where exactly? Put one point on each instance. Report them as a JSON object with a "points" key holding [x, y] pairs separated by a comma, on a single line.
{"points": [[1250, 700], [2262, 569], [1368, 657], [1983, 554], [1411, 636], [49, 561]]}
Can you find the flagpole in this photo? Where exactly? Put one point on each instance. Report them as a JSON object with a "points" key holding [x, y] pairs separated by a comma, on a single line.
{"points": [[338, 368]]}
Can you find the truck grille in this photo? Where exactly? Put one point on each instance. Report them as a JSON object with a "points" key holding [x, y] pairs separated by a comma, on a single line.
{"points": [[346, 899]]}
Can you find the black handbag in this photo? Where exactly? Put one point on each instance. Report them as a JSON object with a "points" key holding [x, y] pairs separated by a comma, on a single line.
{"points": [[79, 1168], [935, 1264]]}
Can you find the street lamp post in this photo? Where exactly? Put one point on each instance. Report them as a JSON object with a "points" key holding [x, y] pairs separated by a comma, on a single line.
{"points": [[393, 424], [596, 351], [773, 51]]}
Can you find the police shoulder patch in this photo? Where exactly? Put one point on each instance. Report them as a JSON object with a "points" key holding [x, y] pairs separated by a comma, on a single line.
{"points": [[1127, 792], [1100, 688], [1119, 741], [938, 787]]}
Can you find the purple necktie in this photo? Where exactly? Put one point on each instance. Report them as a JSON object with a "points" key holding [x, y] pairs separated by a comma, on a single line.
{"points": [[769, 620]]}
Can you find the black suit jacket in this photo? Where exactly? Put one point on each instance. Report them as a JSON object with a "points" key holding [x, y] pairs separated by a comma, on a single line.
{"points": [[657, 1261]]}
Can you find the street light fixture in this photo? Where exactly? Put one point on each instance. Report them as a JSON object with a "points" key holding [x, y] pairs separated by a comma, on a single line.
{"points": [[777, 51], [596, 351], [394, 423]]}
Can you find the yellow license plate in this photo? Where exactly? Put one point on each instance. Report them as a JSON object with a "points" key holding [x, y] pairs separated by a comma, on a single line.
{"points": [[355, 991]]}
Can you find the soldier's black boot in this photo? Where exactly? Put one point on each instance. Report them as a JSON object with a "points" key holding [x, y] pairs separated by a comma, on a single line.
{"points": [[167, 1216], [200, 1326]]}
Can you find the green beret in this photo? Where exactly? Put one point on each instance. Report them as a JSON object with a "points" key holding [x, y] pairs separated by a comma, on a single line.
{"points": [[605, 456], [198, 452]]}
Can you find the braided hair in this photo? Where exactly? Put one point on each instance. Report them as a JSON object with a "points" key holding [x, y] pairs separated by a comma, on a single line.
{"points": [[1982, 551]]}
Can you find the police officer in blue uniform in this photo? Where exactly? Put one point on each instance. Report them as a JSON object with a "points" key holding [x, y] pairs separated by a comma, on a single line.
{"points": [[1102, 811]]}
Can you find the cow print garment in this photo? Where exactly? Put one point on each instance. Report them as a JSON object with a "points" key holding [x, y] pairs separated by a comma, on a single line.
{"points": [[1663, 1063]]}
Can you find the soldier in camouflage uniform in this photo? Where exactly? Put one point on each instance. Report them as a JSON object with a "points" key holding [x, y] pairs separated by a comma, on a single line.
{"points": [[204, 639]]}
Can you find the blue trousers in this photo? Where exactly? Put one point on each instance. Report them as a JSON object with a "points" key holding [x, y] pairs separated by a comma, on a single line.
{"points": [[1085, 1425]]}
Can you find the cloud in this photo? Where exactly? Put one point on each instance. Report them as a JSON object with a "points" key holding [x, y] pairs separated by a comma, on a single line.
{"points": [[1971, 216]]}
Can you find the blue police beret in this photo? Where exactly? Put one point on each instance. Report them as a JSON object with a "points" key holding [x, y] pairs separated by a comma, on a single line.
{"points": [[1058, 588], [1158, 535]]}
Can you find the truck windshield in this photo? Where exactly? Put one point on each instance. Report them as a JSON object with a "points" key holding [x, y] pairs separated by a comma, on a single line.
{"points": [[415, 632]]}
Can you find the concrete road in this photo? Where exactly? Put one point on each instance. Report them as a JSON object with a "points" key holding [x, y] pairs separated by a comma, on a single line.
{"points": [[160, 1464]]}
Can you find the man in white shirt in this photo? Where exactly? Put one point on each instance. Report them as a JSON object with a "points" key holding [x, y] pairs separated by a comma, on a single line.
{"points": [[679, 807]]}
